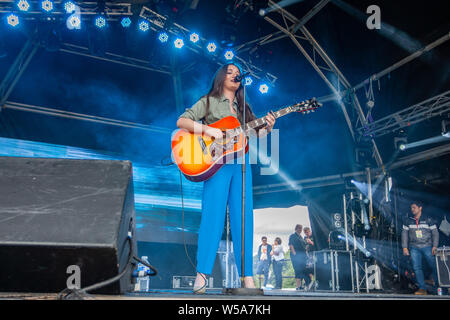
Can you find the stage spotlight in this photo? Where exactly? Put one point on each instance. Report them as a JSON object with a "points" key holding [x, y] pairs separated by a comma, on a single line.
{"points": [[125, 22], [47, 5], [163, 37], [178, 43], [248, 81], [13, 20], [264, 88], [100, 22], [262, 12], [69, 7], [194, 37], [144, 26], [229, 55], [23, 5], [402, 147], [211, 47], [73, 22]]}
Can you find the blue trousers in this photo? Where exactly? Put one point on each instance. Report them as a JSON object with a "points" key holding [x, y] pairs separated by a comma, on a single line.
{"points": [[225, 187], [278, 272], [416, 257], [263, 268]]}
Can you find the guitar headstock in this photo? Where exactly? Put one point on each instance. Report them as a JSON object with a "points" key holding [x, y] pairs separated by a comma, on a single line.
{"points": [[306, 106]]}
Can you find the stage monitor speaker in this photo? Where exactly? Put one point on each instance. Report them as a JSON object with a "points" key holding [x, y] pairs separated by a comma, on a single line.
{"points": [[63, 218]]}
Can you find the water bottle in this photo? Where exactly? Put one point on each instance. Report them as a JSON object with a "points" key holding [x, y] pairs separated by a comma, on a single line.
{"points": [[141, 274], [439, 291], [145, 280]]}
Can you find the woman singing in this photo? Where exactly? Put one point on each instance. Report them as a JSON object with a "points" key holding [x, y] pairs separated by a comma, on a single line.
{"points": [[225, 98]]}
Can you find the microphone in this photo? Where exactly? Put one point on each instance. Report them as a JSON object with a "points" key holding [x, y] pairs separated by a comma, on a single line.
{"points": [[242, 76]]}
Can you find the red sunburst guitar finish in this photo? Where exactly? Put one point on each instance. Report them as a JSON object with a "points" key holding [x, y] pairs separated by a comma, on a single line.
{"points": [[199, 157]]}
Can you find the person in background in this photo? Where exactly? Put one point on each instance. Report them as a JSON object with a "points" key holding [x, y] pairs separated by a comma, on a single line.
{"points": [[264, 251], [277, 262], [310, 248], [297, 245], [420, 239]]}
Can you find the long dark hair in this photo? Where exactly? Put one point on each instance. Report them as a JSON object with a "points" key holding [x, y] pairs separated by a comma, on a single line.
{"points": [[217, 90]]}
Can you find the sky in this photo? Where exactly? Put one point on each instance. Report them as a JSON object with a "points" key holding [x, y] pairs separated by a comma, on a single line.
{"points": [[278, 222]]}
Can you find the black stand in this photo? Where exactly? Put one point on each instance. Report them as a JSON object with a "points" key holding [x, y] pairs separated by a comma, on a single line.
{"points": [[243, 291]]}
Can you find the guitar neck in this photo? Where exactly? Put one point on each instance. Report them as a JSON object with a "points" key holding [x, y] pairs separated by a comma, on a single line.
{"points": [[261, 121]]}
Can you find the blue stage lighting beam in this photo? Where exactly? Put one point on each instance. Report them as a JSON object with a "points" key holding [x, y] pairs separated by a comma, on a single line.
{"points": [[229, 55], [125, 22], [23, 5], [13, 20], [163, 37], [47, 5], [74, 22], [264, 88], [100, 22], [178, 43], [144, 26], [194, 37], [69, 7], [211, 47]]}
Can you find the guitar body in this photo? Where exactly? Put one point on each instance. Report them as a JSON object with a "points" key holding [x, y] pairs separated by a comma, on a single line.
{"points": [[199, 157]]}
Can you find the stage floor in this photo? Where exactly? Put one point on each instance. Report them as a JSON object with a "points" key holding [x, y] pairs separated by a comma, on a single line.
{"points": [[216, 294]]}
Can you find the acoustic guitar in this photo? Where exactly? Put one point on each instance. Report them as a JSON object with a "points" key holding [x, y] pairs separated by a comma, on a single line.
{"points": [[199, 156]]}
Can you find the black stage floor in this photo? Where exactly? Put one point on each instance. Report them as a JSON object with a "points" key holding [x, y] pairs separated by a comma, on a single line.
{"points": [[216, 294]]}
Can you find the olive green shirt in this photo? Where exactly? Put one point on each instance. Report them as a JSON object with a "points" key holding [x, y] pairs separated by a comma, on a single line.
{"points": [[218, 108]]}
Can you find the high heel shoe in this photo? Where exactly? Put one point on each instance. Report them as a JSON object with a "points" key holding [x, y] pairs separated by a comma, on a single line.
{"points": [[199, 289]]}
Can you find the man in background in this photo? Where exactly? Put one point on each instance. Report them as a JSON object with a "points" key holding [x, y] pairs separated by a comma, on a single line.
{"points": [[264, 258], [310, 248], [420, 239]]}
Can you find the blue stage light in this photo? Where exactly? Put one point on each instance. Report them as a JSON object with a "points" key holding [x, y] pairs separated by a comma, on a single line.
{"points": [[144, 26], [178, 43], [211, 47], [100, 22], [248, 81], [229, 55], [69, 7], [125, 22], [13, 20], [194, 37], [163, 37], [23, 5], [264, 88], [47, 5], [74, 22]]}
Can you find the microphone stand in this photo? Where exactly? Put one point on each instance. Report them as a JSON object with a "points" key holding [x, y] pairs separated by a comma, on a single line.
{"points": [[243, 290]]}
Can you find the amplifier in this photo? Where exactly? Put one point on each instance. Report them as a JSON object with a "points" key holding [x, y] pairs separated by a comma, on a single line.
{"points": [[443, 266], [187, 282], [333, 270]]}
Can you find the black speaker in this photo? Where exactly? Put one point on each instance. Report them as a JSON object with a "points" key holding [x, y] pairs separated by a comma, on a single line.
{"points": [[58, 213]]}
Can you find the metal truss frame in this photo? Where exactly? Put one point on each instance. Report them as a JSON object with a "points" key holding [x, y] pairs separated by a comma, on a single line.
{"points": [[115, 11], [338, 179], [322, 63], [352, 218], [115, 58], [84, 117], [18, 67], [419, 112], [162, 23], [112, 10]]}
